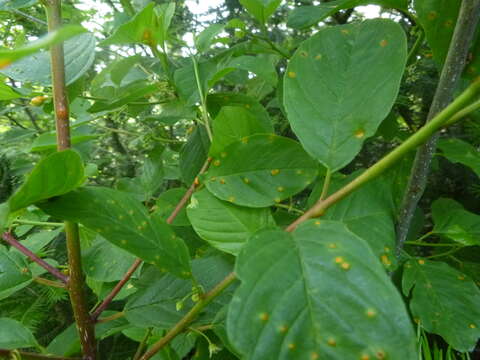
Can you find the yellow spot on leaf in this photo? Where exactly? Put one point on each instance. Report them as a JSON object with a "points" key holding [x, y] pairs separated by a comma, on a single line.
{"points": [[385, 260], [130, 212], [364, 357], [303, 53], [421, 262], [371, 313], [123, 242], [318, 57], [275, 172], [314, 356], [231, 199], [223, 154], [345, 266], [339, 259], [216, 163], [292, 74], [332, 246], [383, 43], [344, 31], [461, 277], [472, 326], [299, 172], [448, 23], [331, 342], [317, 222], [246, 180], [222, 181], [4, 63], [380, 354], [277, 200], [263, 316], [280, 189], [248, 106], [283, 328], [292, 346], [432, 15], [244, 140], [360, 133]]}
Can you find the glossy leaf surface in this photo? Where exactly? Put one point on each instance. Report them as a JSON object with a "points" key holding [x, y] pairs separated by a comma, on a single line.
{"points": [[121, 219], [316, 293], [445, 301], [239, 175], [340, 84], [223, 225]]}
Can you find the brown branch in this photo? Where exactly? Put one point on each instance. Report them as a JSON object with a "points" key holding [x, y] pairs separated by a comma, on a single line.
{"points": [[32, 356], [449, 78], [76, 283], [10, 239], [118, 287]]}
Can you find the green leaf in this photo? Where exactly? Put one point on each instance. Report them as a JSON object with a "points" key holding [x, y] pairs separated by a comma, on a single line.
{"points": [[209, 73], [459, 151], [159, 296], [149, 26], [6, 5], [215, 102], [239, 175], [151, 178], [261, 9], [106, 262], [48, 140], [173, 112], [57, 174], [438, 19], [8, 56], [167, 202], [369, 213], [223, 225], [444, 301], [340, 84], [7, 93], [14, 335], [14, 273], [207, 37], [37, 241], [305, 16], [454, 222], [79, 56], [194, 154], [232, 124], [316, 293], [121, 219], [261, 65]]}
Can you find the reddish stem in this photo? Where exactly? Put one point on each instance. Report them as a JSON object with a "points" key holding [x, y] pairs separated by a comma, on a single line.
{"points": [[9, 238]]}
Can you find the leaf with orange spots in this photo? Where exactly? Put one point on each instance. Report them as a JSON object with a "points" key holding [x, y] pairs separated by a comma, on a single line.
{"points": [[260, 170], [341, 84], [301, 298], [123, 220], [444, 300], [438, 19]]}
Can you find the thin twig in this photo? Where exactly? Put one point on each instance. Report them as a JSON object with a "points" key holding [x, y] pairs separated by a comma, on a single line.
{"points": [[51, 283], [451, 72], [142, 345], [10, 239]]}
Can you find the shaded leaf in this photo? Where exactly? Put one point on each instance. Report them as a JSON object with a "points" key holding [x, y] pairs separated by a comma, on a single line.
{"points": [[317, 293], [167, 202], [155, 303], [223, 225], [14, 335], [121, 219], [454, 222], [459, 151], [340, 84], [444, 301], [239, 175], [207, 37], [194, 154], [14, 273]]}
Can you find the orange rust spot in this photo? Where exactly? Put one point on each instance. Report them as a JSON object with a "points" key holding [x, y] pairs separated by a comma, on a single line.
{"points": [[383, 43], [4, 63]]}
